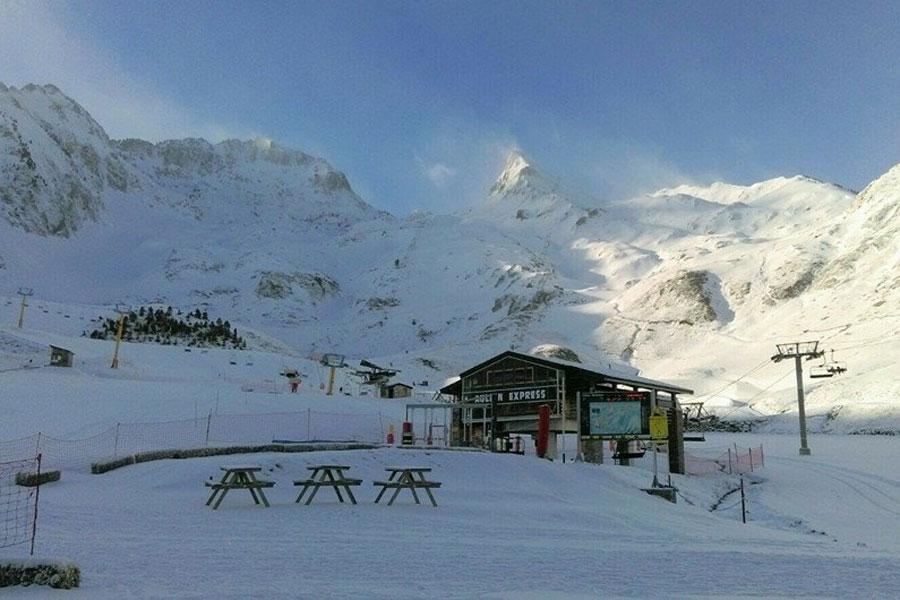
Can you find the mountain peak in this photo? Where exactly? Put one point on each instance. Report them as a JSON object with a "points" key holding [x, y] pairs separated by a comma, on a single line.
{"points": [[517, 173], [888, 182]]}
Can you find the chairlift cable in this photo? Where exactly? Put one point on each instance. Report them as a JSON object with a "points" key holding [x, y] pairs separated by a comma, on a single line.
{"points": [[730, 383], [757, 395]]}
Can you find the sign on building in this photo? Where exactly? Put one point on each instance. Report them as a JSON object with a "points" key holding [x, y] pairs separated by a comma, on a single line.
{"points": [[535, 394], [659, 427]]}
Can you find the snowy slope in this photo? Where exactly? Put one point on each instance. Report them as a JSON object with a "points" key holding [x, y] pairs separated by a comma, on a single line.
{"points": [[691, 284], [538, 530]]}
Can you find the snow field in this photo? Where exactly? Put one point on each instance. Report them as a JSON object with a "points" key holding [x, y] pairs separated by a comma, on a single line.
{"points": [[507, 526], [153, 383]]}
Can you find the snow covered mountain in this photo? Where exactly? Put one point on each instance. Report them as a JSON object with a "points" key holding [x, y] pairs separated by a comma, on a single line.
{"points": [[692, 284]]}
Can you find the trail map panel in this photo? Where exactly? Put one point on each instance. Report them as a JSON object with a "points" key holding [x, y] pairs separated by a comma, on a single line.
{"points": [[615, 418], [615, 414]]}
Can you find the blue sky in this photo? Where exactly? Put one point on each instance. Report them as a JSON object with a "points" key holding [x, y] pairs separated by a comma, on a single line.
{"points": [[419, 102]]}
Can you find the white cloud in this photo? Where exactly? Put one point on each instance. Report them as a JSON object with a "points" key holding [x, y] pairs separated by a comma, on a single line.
{"points": [[439, 173], [636, 171], [38, 45]]}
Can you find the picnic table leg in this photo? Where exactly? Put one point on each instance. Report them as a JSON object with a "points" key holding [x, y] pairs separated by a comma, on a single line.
{"points": [[216, 492], [212, 496], [428, 490], [221, 497], [381, 493], [394, 497], [313, 495], [302, 492], [248, 480], [259, 491], [330, 476], [384, 488], [349, 493], [412, 487], [224, 481]]}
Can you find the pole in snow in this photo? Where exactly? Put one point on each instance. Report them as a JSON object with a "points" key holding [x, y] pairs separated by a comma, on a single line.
{"points": [[743, 502], [25, 293], [797, 351], [123, 315]]}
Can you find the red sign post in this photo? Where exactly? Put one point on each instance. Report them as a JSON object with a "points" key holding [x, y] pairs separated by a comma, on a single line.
{"points": [[543, 434]]}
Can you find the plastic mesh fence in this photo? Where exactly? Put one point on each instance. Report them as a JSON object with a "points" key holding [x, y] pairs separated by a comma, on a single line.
{"points": [[17, 504], [731, 461], [212, 430]]}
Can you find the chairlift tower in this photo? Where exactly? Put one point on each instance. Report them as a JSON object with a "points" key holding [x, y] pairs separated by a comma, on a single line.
{"points": [[123, 311], [333, 362], [25, 293], [798, 351]]}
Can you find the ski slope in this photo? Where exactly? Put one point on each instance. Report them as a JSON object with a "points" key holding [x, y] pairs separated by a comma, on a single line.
{"points": [[507, 527], [154, 383]]}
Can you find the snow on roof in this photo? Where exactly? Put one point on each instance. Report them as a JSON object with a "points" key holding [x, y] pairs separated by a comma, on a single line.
{"points": [[608, 372]]}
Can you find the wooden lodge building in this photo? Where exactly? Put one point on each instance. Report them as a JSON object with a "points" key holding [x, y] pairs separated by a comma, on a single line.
{"points": [[396, 390], [502, 396]]}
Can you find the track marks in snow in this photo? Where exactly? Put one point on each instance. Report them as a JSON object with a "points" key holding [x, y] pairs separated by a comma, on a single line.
{"points": [[860, 483]]}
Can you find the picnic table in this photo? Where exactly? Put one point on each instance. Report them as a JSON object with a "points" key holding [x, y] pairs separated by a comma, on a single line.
{"points": [[238, 477], [407, 478], [327, 476]]}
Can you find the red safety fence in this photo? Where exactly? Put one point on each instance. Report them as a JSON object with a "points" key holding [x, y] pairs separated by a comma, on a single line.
{"points": [[734, 460]]}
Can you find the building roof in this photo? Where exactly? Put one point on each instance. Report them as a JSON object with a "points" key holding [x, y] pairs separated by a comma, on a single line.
{"points": [[608, 374], [392, 385], [52, 347]]}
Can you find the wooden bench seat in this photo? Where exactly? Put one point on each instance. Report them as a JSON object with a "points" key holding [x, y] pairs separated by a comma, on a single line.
{"points": [[407, 484], [239, 486], [331, 476], [340, 482]]}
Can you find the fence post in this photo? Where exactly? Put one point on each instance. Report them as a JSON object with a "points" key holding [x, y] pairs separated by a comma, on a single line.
{"points": [[37, 495], [208, 419], [381, 426], [729, 461], [743, 502], [762, 455], [750, 454]]}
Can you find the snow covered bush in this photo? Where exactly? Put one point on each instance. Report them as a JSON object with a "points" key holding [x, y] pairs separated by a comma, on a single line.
{"points": [[27, 572]]}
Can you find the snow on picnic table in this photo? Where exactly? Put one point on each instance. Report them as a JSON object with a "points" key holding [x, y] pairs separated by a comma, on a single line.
{"points": [[507, 527]]}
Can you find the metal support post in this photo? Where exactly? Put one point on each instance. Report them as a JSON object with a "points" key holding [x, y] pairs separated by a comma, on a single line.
{"points": [[25, 293], [798, 351], [801, 408]]}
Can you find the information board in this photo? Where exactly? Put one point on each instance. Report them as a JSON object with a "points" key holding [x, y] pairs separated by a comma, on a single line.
{"points": [[659, 427], [615, 418], [615, 414]]}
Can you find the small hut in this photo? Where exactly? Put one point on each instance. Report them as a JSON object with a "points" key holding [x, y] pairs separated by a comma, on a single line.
{"points": [[396, 390], [60, 357]]}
